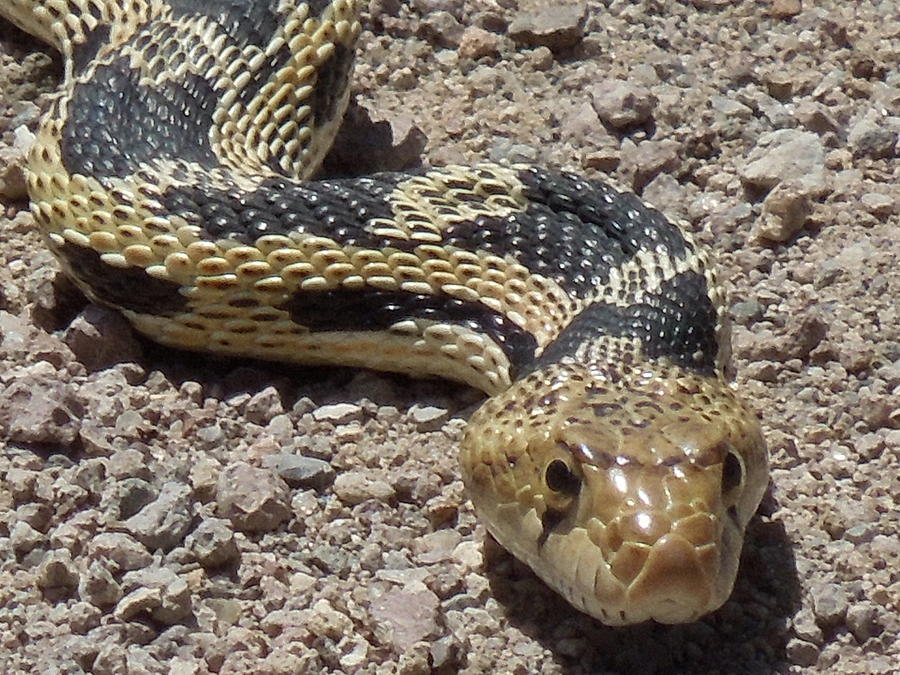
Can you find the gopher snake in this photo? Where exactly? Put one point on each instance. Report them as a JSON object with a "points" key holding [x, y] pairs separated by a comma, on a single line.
{"points": [[171, 179]]}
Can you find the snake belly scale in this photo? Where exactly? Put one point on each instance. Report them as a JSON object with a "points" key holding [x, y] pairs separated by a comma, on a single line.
{"points": [[173, 179]]}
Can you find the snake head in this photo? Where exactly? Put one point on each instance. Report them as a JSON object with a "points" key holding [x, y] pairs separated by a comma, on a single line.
{"points": [[628, 496]]}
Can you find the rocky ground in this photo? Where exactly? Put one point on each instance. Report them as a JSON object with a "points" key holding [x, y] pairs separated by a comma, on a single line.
{"points": [[165, 513]]}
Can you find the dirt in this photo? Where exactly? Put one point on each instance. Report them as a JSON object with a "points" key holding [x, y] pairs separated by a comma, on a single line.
{"points": [[164, 512]]}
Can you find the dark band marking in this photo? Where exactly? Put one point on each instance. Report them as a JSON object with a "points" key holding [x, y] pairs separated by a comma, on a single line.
{"points": [[331, 82], [85, 52], [678, 322], [129, 288], [115, 123], [575, 230], [337, 209], [374, 310]]}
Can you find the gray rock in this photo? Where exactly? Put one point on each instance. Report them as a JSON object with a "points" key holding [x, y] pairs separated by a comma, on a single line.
{"points": [[622, 104], [263, 406], [121, 549], [785, 211], [157, 591], [830, 604], [873, 137], [355, 487], [787, 154], [98, 586], [338, 413], [557, 28], [253, 499], [428, 417], [163, 523], [441, 28], [101, 337], [406, 616], [57, 571], [213, 543], [300, 471], [40, 408]]}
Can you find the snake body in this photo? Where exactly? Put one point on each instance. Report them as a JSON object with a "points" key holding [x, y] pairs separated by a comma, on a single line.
{"points": [[172, 179]]}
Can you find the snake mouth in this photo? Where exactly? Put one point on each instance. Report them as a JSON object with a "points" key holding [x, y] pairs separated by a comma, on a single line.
{"points": [[677, 583]]}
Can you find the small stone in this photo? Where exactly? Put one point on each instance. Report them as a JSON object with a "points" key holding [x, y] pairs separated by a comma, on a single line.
{"points": [[300, 471], [622, 104], [560, 27], [101, 337], [805, 627], [428, 417], [338, 413], [57, 571], [830, 605], [878, 204], [785, 211], [871, 137], [24, 538], [441, 28], [785, 9], [253, 499], [37, 407], [649, 160], [263, 406], [862, 620], [139, 601], [477, 42], [355, 487], [406, 616], [213, 543], [121, 549], [802, 653], [98, 586], [163, 523], [436, 546], [746, 313], [157, 591], [786, 154]]}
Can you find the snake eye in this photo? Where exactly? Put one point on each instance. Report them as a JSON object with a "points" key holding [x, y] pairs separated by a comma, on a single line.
{"points": [[560, 478], [732, 472]]}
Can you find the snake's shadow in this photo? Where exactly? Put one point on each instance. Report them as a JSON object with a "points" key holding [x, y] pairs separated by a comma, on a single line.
{"points": [[747, 635]]}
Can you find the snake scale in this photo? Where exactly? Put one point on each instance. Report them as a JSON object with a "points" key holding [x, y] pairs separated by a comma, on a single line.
{"points": [[173, 177]]}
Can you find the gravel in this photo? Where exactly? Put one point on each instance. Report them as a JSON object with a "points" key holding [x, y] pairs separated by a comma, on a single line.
{"points": [[162, 512]]}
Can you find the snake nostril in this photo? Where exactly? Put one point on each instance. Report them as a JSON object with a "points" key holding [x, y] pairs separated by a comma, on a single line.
{"points": [[560, 478], [732, 473]]}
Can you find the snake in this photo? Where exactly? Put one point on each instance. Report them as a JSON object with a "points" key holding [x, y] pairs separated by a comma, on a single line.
{"points": [[175, 176]]}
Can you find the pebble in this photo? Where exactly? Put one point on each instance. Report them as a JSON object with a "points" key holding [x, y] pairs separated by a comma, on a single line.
{"points": [[622, 104], [338, 413], [830, 603], [355, 487], [101, 337], [157, 591], [300, 471], [263, 406], [871, 136], [119, 548], [786, 154], [785, 211], [37, 407], [405, 616], [213, 543], [98, 586], [476, 43], [57, 571], [557, 28], [163, 523], [428, 417], [801, 652], [253, 499]]}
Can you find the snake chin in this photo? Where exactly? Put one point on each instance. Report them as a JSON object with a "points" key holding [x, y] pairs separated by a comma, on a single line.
{"points": [[633, 507]]}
